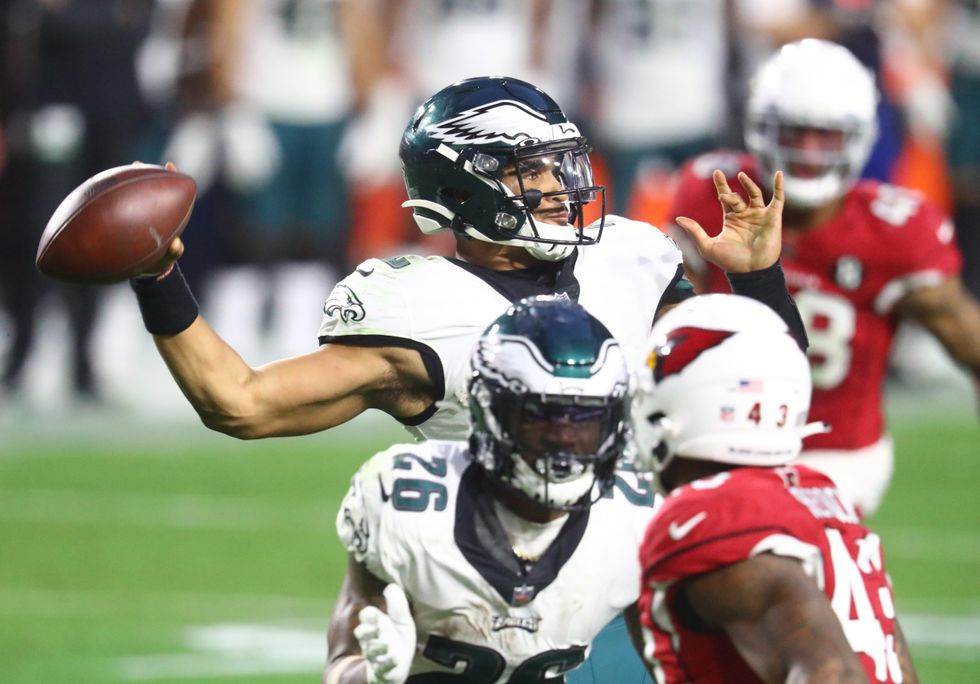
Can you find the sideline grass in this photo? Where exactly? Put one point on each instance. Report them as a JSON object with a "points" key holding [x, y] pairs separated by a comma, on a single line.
{"points": [[122, 547]]}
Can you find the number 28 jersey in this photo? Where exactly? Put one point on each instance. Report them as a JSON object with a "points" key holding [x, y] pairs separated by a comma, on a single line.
{"points": [[417, 515], [846, 276], [718, 521]]}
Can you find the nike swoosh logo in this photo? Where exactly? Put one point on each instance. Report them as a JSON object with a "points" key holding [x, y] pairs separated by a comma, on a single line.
{"points": [[678, 532], [364, 273], [384, 495]]}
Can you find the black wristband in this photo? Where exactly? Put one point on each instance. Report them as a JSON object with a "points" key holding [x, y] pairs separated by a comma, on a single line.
{"points": [[769, 287], [167, 304]]}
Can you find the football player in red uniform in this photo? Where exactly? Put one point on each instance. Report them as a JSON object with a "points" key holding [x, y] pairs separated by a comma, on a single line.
{"points": [[754, 569], [858, 254]]}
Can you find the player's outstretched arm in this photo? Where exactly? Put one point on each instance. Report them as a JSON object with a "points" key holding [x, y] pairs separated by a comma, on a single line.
{"points": [[751, 233], [294, 396], [781, 624], [371, 636], [950, 313]]}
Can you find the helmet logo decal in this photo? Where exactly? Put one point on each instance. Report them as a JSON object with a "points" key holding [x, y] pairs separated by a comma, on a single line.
{"points": [[345, 304], [503, 121], [682, 347]]}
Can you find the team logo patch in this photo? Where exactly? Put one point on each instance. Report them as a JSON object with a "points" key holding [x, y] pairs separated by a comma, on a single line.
{"points": [[344, 304], [849, 272], [503, 121], [523, 594], [683, 345], [528, 624]]}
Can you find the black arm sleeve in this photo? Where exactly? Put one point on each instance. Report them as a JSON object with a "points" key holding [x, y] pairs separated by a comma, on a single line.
{"points": [[769, 287]]}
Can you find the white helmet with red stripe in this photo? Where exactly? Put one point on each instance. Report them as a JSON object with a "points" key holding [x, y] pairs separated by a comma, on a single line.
{"points": [[722, 380]]}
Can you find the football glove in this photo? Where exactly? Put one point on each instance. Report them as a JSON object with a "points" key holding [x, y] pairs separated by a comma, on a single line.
{"points": [[387, 639]]}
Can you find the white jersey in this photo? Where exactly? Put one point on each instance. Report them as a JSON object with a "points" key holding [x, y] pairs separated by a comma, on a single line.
{"points": [[441, 307], [417, 515]]}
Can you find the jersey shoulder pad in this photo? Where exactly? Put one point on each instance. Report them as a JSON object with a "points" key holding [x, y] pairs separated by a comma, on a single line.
{"points": [[361, 511], [375, 299], [913, 232], [639, 239], [717, 521]]}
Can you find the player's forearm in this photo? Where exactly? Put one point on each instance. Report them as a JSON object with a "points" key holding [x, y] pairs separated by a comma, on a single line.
{"points": [[346, 669], [211, 374]]}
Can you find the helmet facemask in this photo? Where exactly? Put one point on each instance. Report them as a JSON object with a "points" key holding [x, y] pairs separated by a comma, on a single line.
{"points": [[548, 403], [468, 156], [812, 113], [558, 451]]}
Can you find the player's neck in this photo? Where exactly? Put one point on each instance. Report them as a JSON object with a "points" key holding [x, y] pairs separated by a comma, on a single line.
{"points": [[804, 220], [493, 256], [522, 506], [682, 471]]}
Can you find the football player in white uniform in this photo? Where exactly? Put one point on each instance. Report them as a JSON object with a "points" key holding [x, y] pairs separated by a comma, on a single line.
{"points": [[496, 162], [514, 548]]}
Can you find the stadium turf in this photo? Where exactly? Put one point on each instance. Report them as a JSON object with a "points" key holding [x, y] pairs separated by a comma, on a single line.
{"points": [[133, 553]]}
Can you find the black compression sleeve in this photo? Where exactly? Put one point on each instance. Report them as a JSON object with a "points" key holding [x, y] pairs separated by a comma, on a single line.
{"points": [[769, 287]]}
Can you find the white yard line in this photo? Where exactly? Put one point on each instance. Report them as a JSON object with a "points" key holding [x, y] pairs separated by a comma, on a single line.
{"points": [[184, 511]]}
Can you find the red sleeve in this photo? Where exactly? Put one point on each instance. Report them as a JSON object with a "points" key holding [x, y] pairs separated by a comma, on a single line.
{"points": [[931, 242], [706, 528]]}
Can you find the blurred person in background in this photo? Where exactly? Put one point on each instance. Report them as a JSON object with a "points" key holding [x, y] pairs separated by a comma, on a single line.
{"points": [[73, 109], [425, 46], [465, 557], [755, 569], [961, 32], [259, 93], [859, 255], [658, 92]]}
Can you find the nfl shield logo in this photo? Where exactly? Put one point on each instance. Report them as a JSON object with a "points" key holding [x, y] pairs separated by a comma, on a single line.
{"points": [[727, 413], [523, 593]]}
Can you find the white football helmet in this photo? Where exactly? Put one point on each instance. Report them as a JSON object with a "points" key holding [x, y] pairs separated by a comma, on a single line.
{"points": [[812, 84], [549, 383], [722, 380]]}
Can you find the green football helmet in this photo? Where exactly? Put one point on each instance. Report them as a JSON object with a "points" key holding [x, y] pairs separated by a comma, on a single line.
{"points": [[461, 142], [548, 400]]}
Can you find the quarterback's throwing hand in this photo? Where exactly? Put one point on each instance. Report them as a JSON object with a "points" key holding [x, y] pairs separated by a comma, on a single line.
{"points": [[751, 233], [387, 639]]}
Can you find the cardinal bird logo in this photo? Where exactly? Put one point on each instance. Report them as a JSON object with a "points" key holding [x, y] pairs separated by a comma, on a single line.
{"points": [[683, 345]]}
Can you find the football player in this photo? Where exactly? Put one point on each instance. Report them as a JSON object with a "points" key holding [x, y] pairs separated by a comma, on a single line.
{"points": [[496, 162], [499, 559], [859, 255], [754, 569]]}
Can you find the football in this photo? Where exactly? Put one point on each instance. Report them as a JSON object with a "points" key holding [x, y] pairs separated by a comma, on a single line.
{"points": [[116, 224]]}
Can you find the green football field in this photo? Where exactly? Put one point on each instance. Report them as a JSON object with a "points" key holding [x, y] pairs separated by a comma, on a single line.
{"points": [[165, 553]]}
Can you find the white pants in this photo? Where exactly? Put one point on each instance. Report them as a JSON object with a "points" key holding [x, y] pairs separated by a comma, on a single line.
{"points": [[862, 476]]}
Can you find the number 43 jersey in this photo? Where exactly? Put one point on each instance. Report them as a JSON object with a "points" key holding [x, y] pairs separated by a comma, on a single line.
{"points": [[418, 515], [846, 276], [718, 521]]}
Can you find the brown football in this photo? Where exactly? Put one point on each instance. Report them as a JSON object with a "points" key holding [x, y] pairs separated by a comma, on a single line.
{"points": [[116, 224]]}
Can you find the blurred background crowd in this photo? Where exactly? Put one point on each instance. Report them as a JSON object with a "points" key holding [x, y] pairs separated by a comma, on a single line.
{"points": [[288, 114]]}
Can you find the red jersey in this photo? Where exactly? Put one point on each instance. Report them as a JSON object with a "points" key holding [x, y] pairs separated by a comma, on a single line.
{"points": [[791, 511], [845, 276]]}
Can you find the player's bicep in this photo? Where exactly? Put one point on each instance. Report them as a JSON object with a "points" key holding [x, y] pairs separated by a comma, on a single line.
{"points": [[328, 387], [950, 313], [781, 624]]}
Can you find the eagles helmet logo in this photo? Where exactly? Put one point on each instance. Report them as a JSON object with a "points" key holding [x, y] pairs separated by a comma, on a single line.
{"points": [[345, 304], [504, 121]]}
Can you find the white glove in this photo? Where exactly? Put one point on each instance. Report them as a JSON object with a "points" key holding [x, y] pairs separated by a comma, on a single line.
{"points": [[387, 639]]}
